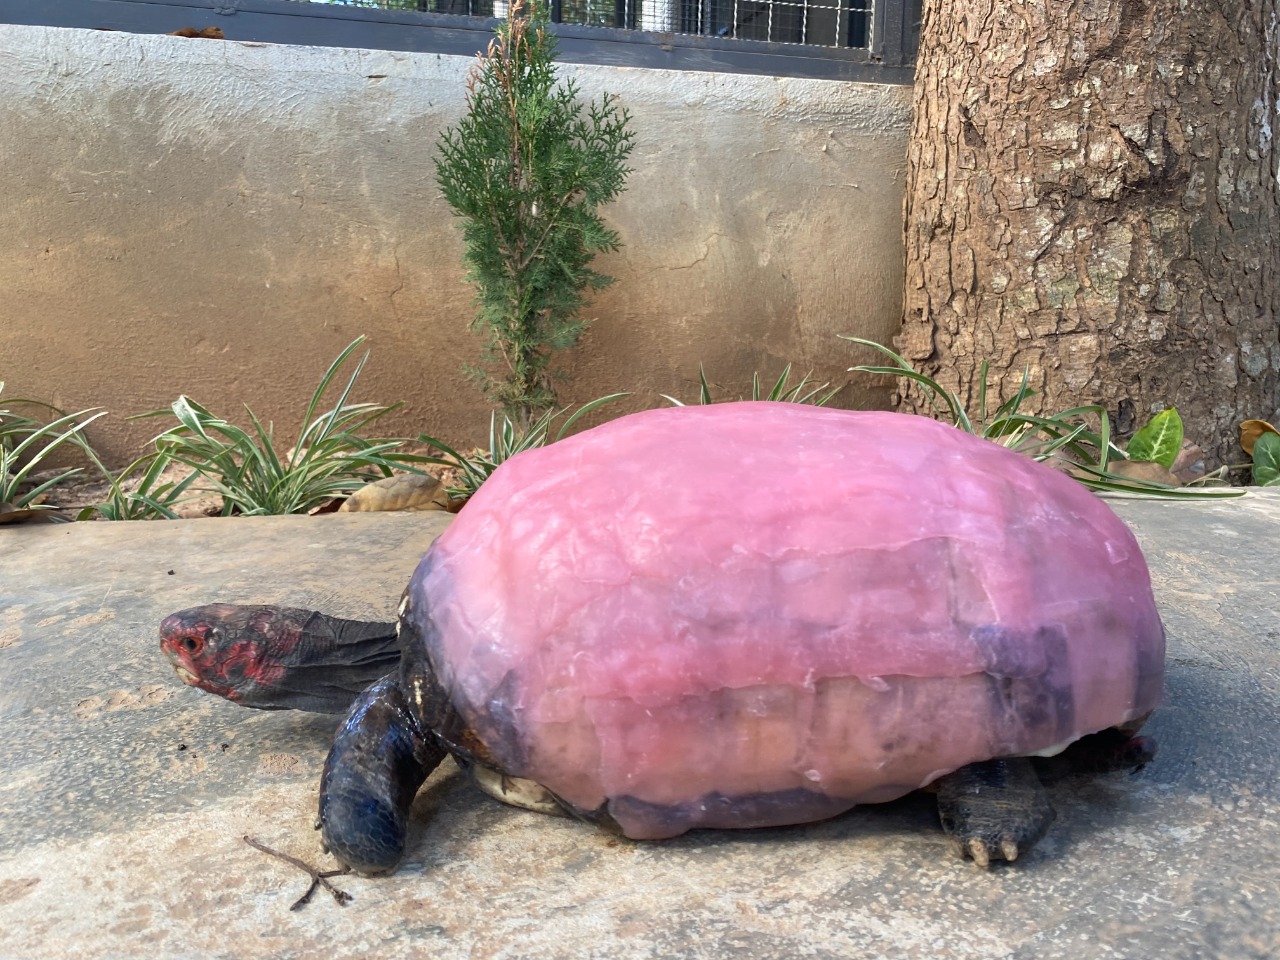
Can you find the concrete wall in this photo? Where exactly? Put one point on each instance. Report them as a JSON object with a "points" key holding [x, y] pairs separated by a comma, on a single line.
{"points": [[222, 218]]}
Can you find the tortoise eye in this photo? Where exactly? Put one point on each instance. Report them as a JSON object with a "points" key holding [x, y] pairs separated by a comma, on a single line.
{"points": [[193, 645]]}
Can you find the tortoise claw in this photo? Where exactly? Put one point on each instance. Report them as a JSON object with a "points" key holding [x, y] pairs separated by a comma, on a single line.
{"points": [[983, 853], [1009, 847], [978, 850]]}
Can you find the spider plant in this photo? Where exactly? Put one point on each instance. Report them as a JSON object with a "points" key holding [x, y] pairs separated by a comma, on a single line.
{"points": [[146, 498], [24, 444], [806, 391], [255, 474], [505, 441], [1065, 436]]}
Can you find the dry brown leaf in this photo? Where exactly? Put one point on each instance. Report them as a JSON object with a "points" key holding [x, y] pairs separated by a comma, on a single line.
{"points": [[11, 514], [1251, 430], [1143, 470], [404, 491], [204, 33], [1190, 463]]}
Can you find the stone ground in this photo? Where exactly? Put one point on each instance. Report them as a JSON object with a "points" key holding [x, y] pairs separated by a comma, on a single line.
{"points": [[124, 796]]}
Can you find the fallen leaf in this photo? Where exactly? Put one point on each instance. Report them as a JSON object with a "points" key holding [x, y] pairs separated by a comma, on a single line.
{"points": [[205, 33], [1251, 430], [1189, 464], [404, 491], [1145, 470], [11, 514]]}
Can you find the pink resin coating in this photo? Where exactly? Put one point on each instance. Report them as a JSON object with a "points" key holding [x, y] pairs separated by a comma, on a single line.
{"points": [[757, 613]]}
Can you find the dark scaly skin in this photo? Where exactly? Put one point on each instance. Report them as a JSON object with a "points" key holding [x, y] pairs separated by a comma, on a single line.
{"points": [[998, 809], [396, 733], [278, 658], [995, 809], [380, 757]]}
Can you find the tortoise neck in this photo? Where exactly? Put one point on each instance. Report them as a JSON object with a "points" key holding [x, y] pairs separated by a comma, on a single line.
{"points": [[333, 662]]}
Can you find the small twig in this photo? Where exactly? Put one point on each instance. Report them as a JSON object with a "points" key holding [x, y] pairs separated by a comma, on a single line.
{"points": [[318, 878]]}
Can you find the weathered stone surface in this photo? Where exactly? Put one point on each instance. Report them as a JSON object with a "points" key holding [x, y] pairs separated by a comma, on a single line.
{"points": [[122, 811]]}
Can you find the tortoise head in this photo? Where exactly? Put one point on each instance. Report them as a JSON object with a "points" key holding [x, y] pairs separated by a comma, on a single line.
{"points": [[278, 658], [237, 652]]}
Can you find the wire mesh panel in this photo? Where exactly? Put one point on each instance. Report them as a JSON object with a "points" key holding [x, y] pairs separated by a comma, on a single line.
{"points": [[824, 23], [464, 8]]}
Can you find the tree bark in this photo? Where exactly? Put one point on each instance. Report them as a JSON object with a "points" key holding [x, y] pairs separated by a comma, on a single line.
{"points": [[1092, 196]]}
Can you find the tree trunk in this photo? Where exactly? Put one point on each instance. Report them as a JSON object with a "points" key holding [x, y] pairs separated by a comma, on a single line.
{"points": [[1092, 195]]}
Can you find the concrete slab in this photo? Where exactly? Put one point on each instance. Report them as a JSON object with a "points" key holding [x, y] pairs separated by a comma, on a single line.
{"points": [[124, 795]]}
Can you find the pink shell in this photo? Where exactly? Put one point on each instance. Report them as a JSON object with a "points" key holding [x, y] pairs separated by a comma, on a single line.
{"points": [[757, 613]]}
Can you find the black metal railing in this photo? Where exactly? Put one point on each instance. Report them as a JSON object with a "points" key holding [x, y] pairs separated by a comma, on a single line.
{"points": [[863, 40], [823, 23]]}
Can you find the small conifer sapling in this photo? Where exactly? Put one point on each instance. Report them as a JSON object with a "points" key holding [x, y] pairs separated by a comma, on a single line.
{"points": [[527, 171]]}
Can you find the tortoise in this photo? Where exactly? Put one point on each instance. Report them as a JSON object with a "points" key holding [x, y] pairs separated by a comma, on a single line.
{"points": [[731, 616]]}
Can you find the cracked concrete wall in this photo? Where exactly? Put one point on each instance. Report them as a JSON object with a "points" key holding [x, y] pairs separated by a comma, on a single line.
{"points": [[222, 218]]}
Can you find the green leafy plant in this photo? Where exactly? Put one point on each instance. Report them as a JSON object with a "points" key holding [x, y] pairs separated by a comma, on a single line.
{"points": [[149, 496], [527, 170], [1266, 461], [1262, 442], [253, 475], [1159, 441], [26, 442], [1089, 452], [806, 391], [505, 441]]}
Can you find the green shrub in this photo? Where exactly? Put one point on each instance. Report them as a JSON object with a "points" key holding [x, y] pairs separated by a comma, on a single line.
{"points": [[151, 498], [527, 170]]}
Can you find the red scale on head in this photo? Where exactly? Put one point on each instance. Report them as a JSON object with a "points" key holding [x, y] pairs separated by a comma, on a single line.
{"points": [[280, 634], [210, 659], [247, 658]]}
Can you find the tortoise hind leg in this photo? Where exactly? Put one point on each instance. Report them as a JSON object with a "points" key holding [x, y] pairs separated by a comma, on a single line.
{"points": [[1109, 751], [994, 810]]}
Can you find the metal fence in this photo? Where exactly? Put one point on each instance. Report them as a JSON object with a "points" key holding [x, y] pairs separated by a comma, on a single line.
{"points": [[870, 41], [824, 23]]}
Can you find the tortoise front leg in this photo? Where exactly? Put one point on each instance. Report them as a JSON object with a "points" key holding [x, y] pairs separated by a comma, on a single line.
{"points": [[380, 756], [994, 810]]}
